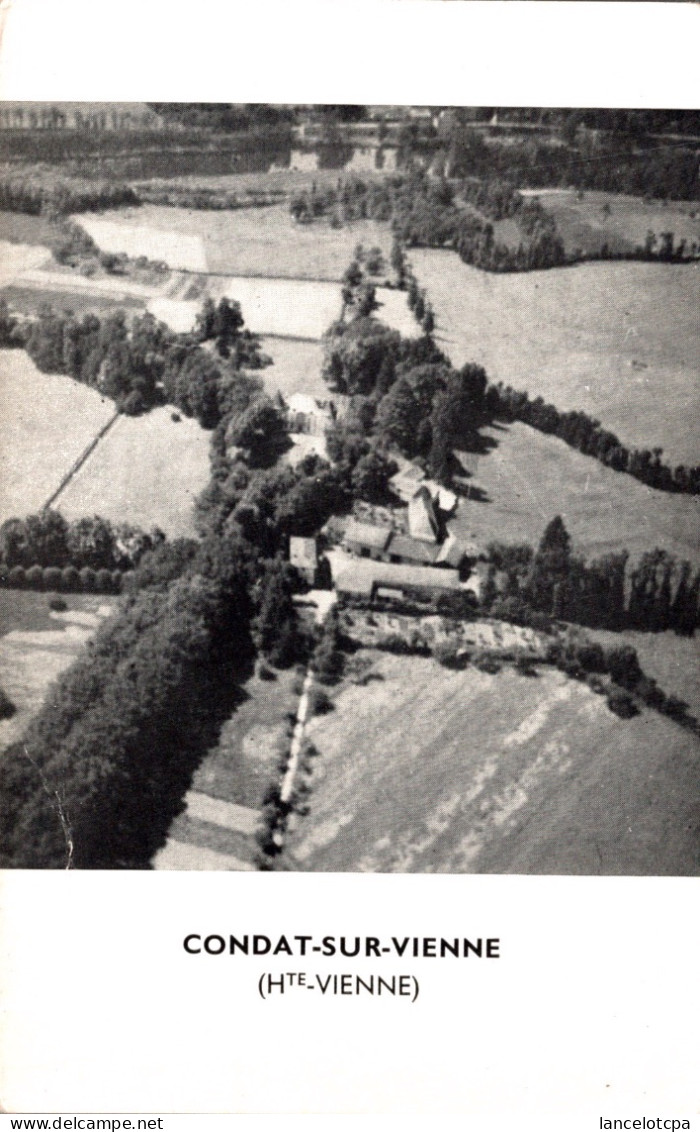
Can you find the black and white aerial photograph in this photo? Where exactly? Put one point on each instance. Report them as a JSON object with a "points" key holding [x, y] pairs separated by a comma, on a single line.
{"points": [[349, 476]]}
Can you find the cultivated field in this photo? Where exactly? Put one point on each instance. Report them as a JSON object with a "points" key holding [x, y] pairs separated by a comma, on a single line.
{"points": [[549, 782], [36, 645], [30, 299], [528, 478], [147, 470], [252, 241], [617, 340], [46, 421]]}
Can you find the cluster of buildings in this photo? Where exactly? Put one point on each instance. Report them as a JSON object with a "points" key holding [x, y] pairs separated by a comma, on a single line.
{"points": [[378, 563]]}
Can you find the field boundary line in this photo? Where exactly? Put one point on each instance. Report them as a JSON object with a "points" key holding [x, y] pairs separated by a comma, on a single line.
{"points": [[77, 464]]}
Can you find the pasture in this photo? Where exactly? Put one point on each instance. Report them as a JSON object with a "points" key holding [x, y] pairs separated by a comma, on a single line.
{"points": [[247, 241], [528, 478], [46, 421], [616, 340], [147, 470], [588, 222], [296, 368], [243, 763], [549, 782]]}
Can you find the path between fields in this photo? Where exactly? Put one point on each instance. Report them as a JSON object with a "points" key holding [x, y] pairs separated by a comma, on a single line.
{"points": [[82, 458]]}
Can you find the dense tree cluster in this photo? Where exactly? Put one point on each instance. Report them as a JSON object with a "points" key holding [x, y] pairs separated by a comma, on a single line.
{"points": [[587, 435], [140, 364], [102, 769]]}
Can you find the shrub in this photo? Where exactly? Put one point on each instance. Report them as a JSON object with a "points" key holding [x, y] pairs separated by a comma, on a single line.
{"points": [[87, 579], [7, 708], [265, 672], [591, 657], [597, 684], [525, 665], [35, 578], [622, 704], [16, 578], [320, 702], [70, 579], [58, 604], [488, 663], [118, 580], [623, 666], [447, 653], [4, 575], [52, 578], [103, 581]]}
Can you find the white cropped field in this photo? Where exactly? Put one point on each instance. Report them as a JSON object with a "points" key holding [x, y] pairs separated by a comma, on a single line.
{"points": [[176, 249], [46, 421]]}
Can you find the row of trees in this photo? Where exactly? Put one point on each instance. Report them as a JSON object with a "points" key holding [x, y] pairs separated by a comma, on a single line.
{"points": [[48, 540], [654, 594], [588, 436], [45, 192]]}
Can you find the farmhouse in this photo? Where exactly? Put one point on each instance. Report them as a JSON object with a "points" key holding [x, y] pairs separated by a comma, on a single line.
{"points": [[302, 555], [307, 415], [384, 545], [357, 578]]}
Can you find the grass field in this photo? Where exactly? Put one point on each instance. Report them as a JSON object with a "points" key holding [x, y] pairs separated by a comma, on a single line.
{"points": [[528, 478], [259, 241], [296, 368], [243, 763], [36, 646], [16, 258], [549, 782], [617, 340], [147, 470], [20, 228], [45, 423]]}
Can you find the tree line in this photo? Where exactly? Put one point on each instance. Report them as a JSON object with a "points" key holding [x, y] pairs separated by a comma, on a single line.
{"points": [[47, 539], [587, 435]]}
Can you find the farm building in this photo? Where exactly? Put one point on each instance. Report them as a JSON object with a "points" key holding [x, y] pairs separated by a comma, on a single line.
{"points": [[307, 415], [366, 540], [376, 580], [384, 545], [302, 555], [422, 520]]}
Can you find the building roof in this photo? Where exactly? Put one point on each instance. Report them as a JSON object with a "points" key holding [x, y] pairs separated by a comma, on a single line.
{"points": [[416, 551], [303, 403], [451, 552], [367, 534], [360, 576], [422, 521], [302, 552]]}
